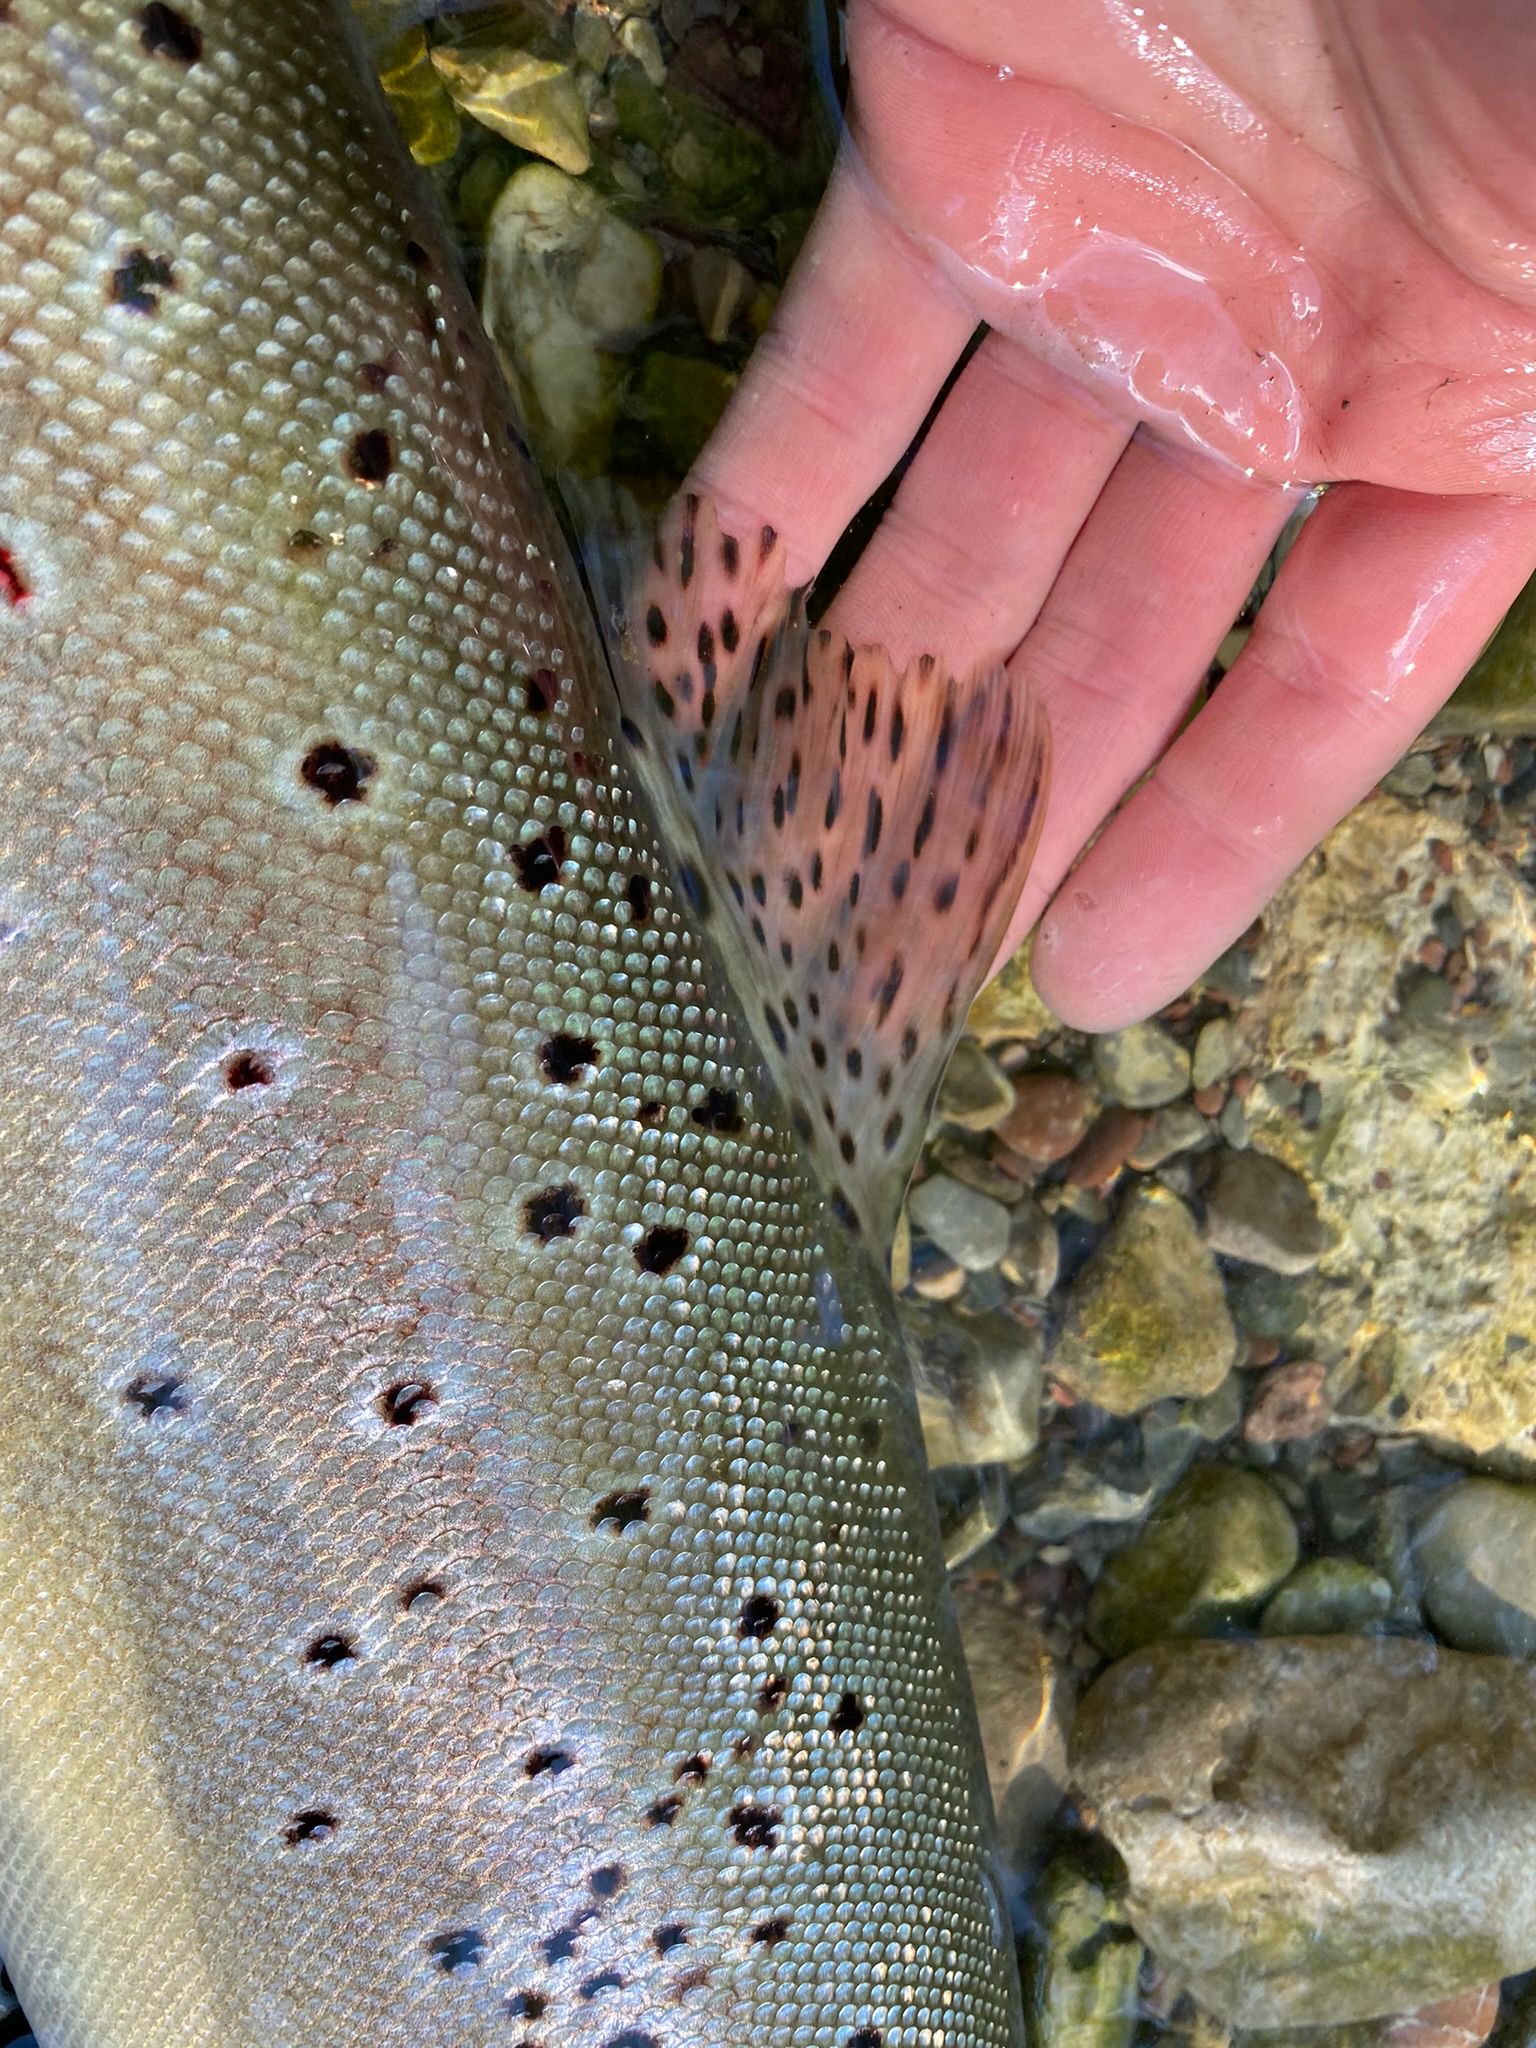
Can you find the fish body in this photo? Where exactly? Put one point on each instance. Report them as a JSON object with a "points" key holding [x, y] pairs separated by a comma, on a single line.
{"points": [[468, 1576]]}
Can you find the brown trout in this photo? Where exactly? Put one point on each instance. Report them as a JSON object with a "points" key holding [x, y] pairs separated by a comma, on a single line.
{"points": [[468, 1571]]}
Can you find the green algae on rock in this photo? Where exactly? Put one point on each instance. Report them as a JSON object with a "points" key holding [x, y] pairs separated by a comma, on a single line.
{"points": [[1328, 1596], [1220, 1543], [1147, 1316], [1319, 1829], [1080, 1980], [1499, 692]]}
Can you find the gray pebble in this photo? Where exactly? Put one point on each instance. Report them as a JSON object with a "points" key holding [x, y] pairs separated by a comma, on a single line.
{"points": [[970, 1226], [1261, 1212]]}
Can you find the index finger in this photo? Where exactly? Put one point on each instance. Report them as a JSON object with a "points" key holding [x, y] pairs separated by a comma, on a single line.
{"points": [[859, 348]]}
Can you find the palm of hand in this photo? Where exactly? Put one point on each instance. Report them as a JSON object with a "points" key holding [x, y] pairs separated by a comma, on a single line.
{"points": [[1204, 219]]}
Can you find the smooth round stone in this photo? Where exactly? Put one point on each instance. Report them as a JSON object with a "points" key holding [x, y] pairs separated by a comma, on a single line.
{"points": [[978, 1385], [1476, 1553], [1050, 1114], [1261, 1212], [1141, 1067], [1215, 1052], [970, 1226], [1328, 1596], [1220, 1543], [975, 1092]]}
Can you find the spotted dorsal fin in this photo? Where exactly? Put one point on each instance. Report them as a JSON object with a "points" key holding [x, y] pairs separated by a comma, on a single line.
{"points": [[856, 835]]}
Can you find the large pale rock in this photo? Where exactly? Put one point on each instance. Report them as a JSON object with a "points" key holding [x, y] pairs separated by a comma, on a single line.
{"points": [[1320, 1829], [1147, 1316], [1422, 1161]]}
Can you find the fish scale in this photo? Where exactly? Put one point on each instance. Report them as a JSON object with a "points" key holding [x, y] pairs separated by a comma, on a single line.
{"points": [[468, 1573]]}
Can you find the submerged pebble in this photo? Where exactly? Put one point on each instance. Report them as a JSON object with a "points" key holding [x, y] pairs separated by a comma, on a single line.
{"points": [[1141, 1067]]}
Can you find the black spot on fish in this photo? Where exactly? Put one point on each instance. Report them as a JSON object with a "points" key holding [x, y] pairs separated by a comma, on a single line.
{"points": [[847, 1148], [706, 647], [540, 690], [661, 1248], [377, 375], [527, 2005], [693, 1770], [650, 1113], [853, 1060], [339, 773], [13, 585], [900, 879], [656, 626], [669, 1937], [758, 1616], [304, 541], [547, 1763], [371, 457], [312, 1825], [166, 33], [422, 1595], [459, 1950], [537, 863], [892, 1132], [560, 1946], [944, 895], [719, 1111], [770, 1693], [632, 2037], [765, 541], [564, 1056], [553, 1212], [909, 1045], [407, 1401], [623, 1509], [155, 1394], [834, 800], [898, 732], [730, 554], [730, 632], [847, 1715], [593, 1987], [607, 1881], [248, 1070], [769, 1933], [637, 894], [632, 733], [329, 1651], [775, 1027], [138, 281], [818, 1052], [890, 988], [784, 704], [754, 1826], [865, 2037], [662, 1812], [685, 544]]}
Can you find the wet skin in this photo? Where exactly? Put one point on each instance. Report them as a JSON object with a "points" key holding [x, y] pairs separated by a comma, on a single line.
{"points": [[1226, 253]]}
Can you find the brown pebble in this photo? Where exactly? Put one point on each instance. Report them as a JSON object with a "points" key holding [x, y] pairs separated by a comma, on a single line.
{"points": [[1464, 2021], [1400, 1091], [1442, 856], [1241, 1084], [1210, 1101], [1263, 1350], [1050, 1113], [1289, 1403], [1099, 1158], [1381, 1180], [1431, 955], [1351, 1447], [1428, 892]]}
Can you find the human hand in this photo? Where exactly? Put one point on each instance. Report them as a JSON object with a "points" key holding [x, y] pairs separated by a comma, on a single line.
{"points": [[1226, 251]]}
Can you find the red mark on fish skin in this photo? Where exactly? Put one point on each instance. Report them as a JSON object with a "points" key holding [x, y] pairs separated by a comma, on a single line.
{"points": [[14, 587]]}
